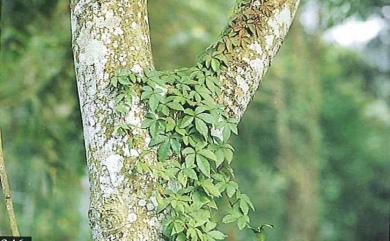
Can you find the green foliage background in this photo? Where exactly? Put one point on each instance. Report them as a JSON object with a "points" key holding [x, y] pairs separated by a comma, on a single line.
{"points": [[312, 152]]}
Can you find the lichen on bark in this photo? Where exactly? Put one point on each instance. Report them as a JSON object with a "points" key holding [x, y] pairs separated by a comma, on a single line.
{"points": [[107, 35]]}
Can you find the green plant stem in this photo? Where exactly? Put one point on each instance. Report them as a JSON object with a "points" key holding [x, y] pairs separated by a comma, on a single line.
{"points": [[7, 194]]}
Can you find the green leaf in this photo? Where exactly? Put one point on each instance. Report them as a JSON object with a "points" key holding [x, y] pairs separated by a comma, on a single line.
{"points": [[210, 226], [244, 206], [192, 235], [188, 150], [207, 118], [114, 81], [157, 140], [190, 160], [217, 235], [181, 237], [186, 121], [220, 157], [147, 123], [215, 64], [228, 155], [170, 124], [201, 216], [175, 106], [199, 110], [182, 178], [163, 151], [246, 199], [210, 188], [203, 165], [176, 146], [230, 218], [231, 188], [154, 101], [178, 227], [122, 108], [190, 173], [226, 133], [201, 127], [242, 222], [208, 154]]}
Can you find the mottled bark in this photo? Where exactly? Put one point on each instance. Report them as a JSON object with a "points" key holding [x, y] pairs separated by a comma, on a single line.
{"points": [[109, 35], [250, 63], [113, 34]]}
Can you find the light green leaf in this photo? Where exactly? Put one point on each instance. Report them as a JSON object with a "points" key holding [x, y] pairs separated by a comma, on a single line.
{"points": [[201, 127], [244, 206], [190, 173], [230, 218], [215, 65], [175, 106], [210, 188], [190, 160], [220, 157], [210, 226], [207, 118], [170, 124], [231, 188], [226, 133], [242, 222], [182, 178], [228, 155], [217, 235], [208, 154], [203, 165], [188, 150], [186, 121]]}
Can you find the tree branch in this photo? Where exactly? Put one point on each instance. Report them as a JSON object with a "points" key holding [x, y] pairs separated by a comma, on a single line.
{"points": [[249, 61], [7, 194]]}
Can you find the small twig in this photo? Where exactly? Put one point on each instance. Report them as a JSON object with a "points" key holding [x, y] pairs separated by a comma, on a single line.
{"points": [[7, 194]]}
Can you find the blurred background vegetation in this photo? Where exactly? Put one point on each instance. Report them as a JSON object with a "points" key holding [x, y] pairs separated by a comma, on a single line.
{"points": [[313, 151]]}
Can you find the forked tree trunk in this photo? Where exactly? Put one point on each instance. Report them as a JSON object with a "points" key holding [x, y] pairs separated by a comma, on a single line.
{"points": [[108, 35]]}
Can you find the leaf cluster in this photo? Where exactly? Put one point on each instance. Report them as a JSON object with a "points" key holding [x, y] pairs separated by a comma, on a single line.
{"points": [[190, 130]]}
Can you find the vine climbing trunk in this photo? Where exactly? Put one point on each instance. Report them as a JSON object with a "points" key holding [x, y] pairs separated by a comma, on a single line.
{"points": [[108, 35]]}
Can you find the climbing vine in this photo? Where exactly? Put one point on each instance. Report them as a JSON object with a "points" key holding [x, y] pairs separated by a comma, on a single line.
{"points": [[190, 129]]}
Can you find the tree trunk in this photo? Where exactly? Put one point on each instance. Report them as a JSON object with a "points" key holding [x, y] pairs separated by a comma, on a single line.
{"points": [[299, 138], [108, 35]]}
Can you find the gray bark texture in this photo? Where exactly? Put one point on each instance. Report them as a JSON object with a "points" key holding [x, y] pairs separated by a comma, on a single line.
{"points": [[108, 35]]}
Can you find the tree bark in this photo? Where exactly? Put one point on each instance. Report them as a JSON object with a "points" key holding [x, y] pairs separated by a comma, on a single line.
{"points": [[108, 35]]}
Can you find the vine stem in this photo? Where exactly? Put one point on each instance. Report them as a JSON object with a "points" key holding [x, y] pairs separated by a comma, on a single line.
{"points": [[7, 194]]}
